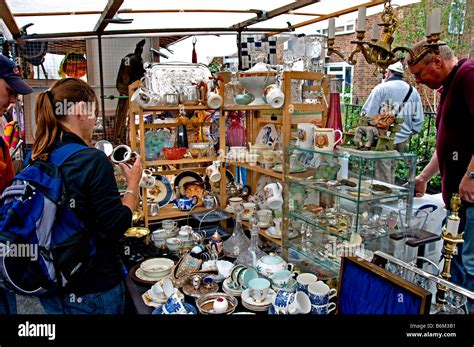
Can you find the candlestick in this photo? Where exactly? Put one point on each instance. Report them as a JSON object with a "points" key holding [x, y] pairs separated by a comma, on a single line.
{"points": [[361, 19], [453, 226], [428, 24], [332, 28], [435, 21], [375, 31]]}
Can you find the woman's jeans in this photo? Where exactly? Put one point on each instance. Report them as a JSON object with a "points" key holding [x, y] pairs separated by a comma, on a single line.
{"points": [[111, 301], [462, 267]]}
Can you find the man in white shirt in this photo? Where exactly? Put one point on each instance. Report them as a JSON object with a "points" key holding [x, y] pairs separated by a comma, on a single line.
{"points": [[387, 98]]}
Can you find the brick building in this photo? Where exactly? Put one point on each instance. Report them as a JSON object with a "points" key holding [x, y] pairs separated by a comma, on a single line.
{"points": [[361, 76]]}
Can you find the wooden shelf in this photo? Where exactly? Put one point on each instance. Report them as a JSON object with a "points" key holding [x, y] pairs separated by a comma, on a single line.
{"points": [[180, 161], [258, 168], [174, 108], [250, 108], [262, 233], [172, 125], [169, 211]]}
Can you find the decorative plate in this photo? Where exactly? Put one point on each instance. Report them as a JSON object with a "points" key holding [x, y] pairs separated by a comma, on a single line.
{"points": [[189, 308], [268, 135], [161, 193], [184, 177]]}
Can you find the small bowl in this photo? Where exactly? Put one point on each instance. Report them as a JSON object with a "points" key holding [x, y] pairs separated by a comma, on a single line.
{"points": [[157, 267], [206, 302], [174, 244], [198, 149], [174, 153], [243, 99]]}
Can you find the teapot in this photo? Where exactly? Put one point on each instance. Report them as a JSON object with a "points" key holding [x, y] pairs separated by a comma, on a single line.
{"points": [[186, 204], [235, 189], [270, 264]]}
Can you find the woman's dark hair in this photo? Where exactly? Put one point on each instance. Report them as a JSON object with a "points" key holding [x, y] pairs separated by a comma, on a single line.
{"points": [[51, 108]]}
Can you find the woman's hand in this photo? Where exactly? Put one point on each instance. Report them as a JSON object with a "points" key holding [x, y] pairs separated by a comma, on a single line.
{"points": [[133, 174]]}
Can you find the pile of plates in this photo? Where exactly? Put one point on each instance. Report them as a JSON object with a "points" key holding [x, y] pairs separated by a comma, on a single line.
{"points": [[229, 290], [249, 303]]}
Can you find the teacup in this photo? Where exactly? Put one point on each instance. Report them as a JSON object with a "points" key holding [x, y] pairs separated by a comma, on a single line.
{"points": [[169, 224], [300, 305], [243, 99], [174, 305], [281, 279], [274, 96], [235, 201], [323, 309], [158, 237], [304, 280], [174, 243], [147, 180], [324, 138], [273, 195], [245, 276], [282, 300], [258, 289], [214, 100], [249, 209], [320, 293], [212, 171]]}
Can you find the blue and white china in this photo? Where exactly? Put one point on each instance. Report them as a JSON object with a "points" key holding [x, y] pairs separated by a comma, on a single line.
{"points": [[186, 204], [190, 309], [319, 293], [174, 305], [323, 309], [282, 300], [270, 264], [304, 280], [300, 305]]}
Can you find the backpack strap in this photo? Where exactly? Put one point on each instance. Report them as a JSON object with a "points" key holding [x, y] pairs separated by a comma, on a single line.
{"points": [[60, 155], [407, 96]]}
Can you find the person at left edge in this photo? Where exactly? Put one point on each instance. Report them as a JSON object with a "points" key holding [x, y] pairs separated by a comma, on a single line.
{"points": [[11, 85]]}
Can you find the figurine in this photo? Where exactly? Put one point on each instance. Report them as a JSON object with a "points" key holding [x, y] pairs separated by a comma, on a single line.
{"points": [[376, 126]]}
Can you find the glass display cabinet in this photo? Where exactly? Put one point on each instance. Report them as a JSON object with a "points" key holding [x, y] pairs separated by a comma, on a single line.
{"points": [[338, 203]]}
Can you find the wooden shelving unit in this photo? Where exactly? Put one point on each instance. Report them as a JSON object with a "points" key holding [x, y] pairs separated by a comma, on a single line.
{"points": [[285, 119], [169, 167]]}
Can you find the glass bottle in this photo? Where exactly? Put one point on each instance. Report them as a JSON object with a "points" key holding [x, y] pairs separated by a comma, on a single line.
{"points": [[237, 241], [246, 257], [236, 134], [232, 89]]}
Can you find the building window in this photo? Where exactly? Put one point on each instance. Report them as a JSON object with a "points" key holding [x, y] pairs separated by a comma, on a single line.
{"points": [[343, 71], [343, 29], [456, 17]]}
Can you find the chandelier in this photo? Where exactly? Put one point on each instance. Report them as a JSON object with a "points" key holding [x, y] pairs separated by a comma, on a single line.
{"points": [[379, 50]]}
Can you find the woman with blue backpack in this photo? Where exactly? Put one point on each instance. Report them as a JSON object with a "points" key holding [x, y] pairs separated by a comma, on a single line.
{"points": [[71, 208]]}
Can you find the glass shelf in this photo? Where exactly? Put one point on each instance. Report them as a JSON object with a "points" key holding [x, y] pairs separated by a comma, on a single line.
{"points": [[346, 234], [353, 195], [315, 255]]}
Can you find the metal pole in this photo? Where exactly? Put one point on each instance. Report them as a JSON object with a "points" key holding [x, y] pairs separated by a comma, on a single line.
{"points": [[239, 48], [101, 81]]}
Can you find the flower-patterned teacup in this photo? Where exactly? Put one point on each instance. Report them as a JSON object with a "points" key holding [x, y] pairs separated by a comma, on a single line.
{"points": [[174, 306]]}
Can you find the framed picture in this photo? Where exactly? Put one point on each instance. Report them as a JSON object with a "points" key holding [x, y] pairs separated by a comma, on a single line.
{"points": [[365, 288], [29, 102]]}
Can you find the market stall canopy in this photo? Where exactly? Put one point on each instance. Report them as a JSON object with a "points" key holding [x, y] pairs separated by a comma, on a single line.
{"points": [[59, 18]]}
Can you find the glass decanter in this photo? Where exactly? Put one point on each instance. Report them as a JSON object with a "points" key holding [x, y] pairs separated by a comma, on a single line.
{"points": [[246, 256], [237, 241], [236, 134], [232, 89]]}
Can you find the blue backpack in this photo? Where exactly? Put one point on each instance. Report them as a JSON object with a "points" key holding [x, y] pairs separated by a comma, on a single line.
{"points": [[43, 244]]}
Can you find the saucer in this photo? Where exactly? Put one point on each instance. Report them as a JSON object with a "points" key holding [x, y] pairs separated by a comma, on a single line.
{"points": [[189, 308], [247, 299], [189, 290], [147, 299], [264, 226], [141, 275], [271, 232], [230, 291], [291, 286]]}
